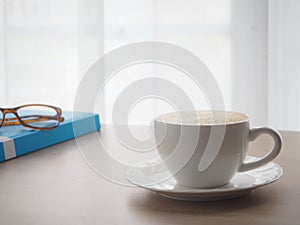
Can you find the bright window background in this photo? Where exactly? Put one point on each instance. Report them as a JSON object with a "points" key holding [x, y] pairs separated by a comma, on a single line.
{"points": [[251, 46], [46, 45]]}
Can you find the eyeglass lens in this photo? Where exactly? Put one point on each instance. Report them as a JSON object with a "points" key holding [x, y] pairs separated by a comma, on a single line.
{"points": [[39, 116]]}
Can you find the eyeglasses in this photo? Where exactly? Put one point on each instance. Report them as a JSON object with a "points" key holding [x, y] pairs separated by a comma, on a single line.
{"points": [[34, 116]]}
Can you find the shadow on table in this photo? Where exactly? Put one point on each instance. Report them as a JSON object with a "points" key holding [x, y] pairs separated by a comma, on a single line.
{"points": [[256, 201]]}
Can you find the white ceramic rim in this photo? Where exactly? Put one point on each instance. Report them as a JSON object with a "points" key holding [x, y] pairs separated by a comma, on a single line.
{"points": [[214, 190]]}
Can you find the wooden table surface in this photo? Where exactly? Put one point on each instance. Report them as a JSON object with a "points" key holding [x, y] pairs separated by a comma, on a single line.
{"points": [[56, 186]]}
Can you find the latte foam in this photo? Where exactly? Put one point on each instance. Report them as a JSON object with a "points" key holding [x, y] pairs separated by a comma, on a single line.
{"points": [[203, 117]]}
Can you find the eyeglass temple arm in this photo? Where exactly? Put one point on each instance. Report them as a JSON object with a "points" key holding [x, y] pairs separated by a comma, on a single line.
{"points": [[9, 122]]}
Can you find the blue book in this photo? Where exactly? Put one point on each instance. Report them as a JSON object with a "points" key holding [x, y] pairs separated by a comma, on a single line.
{"points": [[19, 140]]}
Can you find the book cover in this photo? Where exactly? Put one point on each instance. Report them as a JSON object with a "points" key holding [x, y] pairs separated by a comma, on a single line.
{"points": [[19, 140]]}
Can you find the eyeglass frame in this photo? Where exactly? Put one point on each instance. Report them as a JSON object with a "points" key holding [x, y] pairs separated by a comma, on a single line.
{"points": [[14, 110]]}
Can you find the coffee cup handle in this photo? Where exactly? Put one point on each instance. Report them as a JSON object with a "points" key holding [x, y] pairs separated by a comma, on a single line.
{"points": [[253, 134]]}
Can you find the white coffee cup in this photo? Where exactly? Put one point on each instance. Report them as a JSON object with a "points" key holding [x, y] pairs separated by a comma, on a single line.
{"points": [[184, 140]]}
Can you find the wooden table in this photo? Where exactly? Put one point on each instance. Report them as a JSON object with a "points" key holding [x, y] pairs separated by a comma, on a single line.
{"points": [[56, 186]]}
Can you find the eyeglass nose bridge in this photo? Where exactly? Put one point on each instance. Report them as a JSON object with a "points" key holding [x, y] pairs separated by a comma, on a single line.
{"points": [[11, 111], [8, 111]]}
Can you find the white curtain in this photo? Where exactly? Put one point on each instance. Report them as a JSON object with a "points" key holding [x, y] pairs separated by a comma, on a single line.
{"points": [[251, 46], [45, 47], [284, 64]]}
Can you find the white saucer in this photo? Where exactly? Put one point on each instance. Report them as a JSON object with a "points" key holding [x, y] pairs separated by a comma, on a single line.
{"points": [[155, 177]]}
